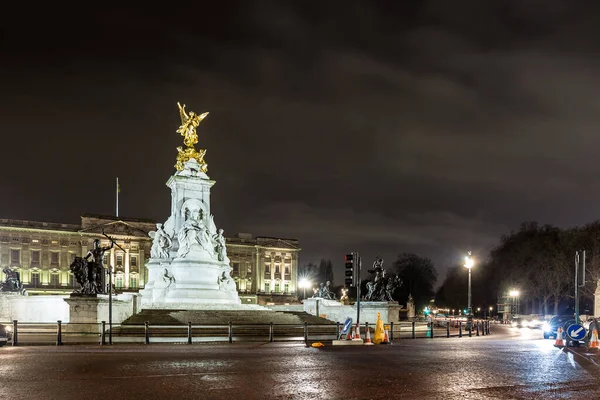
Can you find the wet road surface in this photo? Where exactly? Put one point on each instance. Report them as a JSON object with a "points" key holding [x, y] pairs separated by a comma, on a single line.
{"points": [[510, 364]]}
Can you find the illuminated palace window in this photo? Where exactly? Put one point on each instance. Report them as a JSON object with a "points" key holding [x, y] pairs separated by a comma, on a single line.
{"points": [[236, 269], [277, 288], [287, 288], [133, 261], [35, 258], [267, 287], [15, 257], [54, 258], [35, 278], [54, 278], [133, 281], [277, 269], [119, 281]]}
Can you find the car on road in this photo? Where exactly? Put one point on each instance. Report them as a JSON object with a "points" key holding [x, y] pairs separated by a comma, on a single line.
{"points": [[551, 327], [5, 334]]}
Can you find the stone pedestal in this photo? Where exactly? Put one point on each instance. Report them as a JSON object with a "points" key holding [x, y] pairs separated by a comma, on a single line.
{"points": [[337, 312], [87, 312]]}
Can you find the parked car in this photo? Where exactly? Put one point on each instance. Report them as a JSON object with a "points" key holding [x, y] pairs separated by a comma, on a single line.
{"points": [[5, 334], [551, 327]]}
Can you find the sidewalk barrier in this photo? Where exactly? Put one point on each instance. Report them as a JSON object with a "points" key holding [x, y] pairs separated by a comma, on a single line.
{"points": [[559, 338]]}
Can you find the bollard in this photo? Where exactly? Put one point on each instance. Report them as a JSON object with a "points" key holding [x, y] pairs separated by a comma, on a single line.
{"points": [[448, 329], [459, 328], [431, 330], [413, 329], [103, 334], [270, 332], [189, 332], [470, 327], [59, 333], [476, 328], [488, 327], [15, 336], [230, 332], [306, 333], [391, 331], [146, 333], [337, 330]]}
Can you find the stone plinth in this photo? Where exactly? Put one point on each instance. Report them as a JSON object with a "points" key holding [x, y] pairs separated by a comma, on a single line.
{"points": [[91, 311], [337, 312], [85, 311]]}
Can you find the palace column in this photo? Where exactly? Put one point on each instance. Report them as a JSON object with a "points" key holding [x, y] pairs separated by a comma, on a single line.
{"points": [[126, 255]]}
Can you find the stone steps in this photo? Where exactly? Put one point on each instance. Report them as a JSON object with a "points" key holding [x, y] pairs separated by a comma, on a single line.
{"points": [[215, 323]]}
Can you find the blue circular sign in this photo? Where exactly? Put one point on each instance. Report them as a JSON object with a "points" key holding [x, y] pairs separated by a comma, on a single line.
{"points": [[576, 332]]}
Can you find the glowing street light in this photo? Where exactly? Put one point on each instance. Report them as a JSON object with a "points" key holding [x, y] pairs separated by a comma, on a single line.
{"points": [[468, 265], [304, 283]]}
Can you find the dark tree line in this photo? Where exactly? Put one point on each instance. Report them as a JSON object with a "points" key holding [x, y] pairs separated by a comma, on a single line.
{"points": [[538, 261]]}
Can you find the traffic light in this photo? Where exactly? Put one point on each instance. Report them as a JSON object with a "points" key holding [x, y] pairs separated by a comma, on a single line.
{"points": [[350, 262]]}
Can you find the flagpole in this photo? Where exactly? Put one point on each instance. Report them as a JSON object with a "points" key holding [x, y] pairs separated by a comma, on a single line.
{"points": [[117, 196]]}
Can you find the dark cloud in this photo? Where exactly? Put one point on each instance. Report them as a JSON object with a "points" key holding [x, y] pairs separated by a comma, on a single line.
{"points": [[382, 127]]}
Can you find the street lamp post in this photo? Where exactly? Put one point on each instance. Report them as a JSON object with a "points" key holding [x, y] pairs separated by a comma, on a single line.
{"points": [[515, 296], [469, 264]]}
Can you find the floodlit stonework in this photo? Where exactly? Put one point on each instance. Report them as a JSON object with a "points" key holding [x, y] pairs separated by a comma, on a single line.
{"points": [[263, 268]]}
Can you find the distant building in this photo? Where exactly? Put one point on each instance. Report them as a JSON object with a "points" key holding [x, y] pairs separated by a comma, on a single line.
{"points": [[265, 269]]}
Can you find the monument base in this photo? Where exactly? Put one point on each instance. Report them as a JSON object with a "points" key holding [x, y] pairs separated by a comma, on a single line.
{"points": [[338, 312], [189, 284], [89, 311]]}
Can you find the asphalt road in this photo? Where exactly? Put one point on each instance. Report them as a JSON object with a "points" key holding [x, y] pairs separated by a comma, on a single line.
{"points": [[509, 364]]}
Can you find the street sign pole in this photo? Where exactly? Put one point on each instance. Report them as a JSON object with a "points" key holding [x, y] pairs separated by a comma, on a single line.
{"points": [[357, 280], [577, 285]]}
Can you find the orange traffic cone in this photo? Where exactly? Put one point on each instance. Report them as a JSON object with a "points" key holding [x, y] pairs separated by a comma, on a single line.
{"points": [[368, 337], [350, 334], [357, 332], [386, 338], [559, 338], [594, 342]]}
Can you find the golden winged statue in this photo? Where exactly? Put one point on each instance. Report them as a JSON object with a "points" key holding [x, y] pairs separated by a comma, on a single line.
{"points": [[189, 123]]}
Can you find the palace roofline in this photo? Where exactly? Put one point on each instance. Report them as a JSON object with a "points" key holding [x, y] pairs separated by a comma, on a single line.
{"points": [[115, 218], [238, 238]]}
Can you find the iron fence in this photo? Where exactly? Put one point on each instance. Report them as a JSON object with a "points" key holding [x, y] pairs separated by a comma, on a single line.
{"points": [[59, 333]]}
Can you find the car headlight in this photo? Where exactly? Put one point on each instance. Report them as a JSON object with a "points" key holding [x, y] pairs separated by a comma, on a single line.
{"points": [[546, 327], [8, 328]]}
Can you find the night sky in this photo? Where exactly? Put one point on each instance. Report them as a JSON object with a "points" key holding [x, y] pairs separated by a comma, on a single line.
{"points": [[377, 126]]}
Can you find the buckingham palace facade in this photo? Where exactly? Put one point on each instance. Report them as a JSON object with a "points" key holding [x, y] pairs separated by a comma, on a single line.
{"points": [[265, 269]]}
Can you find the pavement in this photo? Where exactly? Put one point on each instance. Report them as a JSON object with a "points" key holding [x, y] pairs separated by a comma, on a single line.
{"points": [[509, 364]]}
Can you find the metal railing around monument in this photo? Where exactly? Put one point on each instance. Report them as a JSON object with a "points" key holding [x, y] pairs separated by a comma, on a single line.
{"points": [[32, 333]]}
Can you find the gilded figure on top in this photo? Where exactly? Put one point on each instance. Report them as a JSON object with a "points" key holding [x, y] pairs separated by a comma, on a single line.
{"points": [[189, 123]]}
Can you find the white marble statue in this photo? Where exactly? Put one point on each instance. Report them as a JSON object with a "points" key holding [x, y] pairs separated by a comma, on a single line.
{"points": [[226, 282], [194, 232], [220, 248], [161, 243]]}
